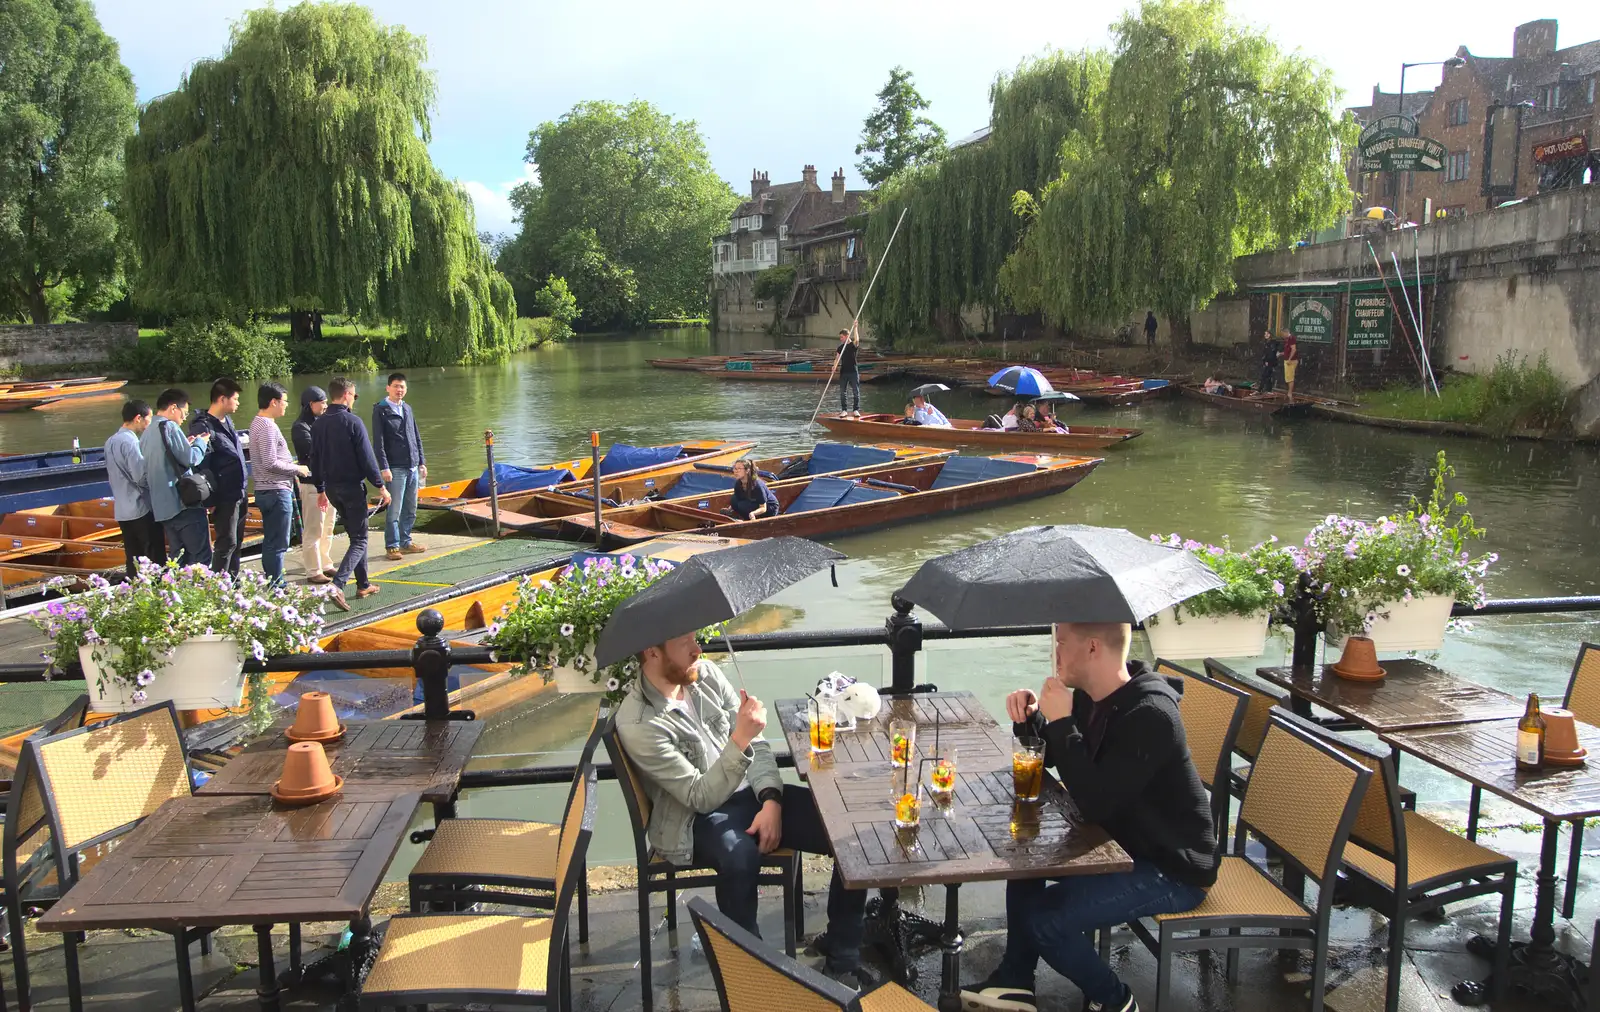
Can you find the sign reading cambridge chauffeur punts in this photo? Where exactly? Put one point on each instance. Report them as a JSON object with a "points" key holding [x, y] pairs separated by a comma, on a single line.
{"points": [[1311, 321], [1369, 321]]}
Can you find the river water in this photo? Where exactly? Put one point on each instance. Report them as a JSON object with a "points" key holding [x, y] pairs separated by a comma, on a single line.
{"points": [[1202, 472]]}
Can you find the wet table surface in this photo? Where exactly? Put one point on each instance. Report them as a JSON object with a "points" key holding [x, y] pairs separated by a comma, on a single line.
{"points": [[986, 835], [242, 859], [374, 757], [1414, 694], [1484, 754]]}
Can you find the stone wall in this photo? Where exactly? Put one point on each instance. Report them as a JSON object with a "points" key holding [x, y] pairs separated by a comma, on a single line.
{"points": [[62, 349]]}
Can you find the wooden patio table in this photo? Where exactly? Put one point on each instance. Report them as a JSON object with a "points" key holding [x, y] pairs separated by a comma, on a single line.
{"points": [[244, 859], [985, 836], [1415, 694]]}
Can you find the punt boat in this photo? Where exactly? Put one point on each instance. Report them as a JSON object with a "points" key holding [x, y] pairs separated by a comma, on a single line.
{"points": [[21, 396], [966, 432], [1276, 404]]}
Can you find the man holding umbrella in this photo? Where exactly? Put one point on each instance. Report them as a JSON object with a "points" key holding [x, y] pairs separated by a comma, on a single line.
{"points": [[923, 410]]}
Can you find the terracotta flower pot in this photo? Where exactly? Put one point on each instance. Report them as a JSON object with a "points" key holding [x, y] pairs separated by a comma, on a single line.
{"points": [[1560, 733], [1359, 663], [315, 719], [306, 772]]}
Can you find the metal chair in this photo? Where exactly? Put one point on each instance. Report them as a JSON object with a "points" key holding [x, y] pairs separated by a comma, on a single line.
{"points": [[1301, 801], [492, 959], [1583, 699], [1432, 866], [78, 790], [658, 875], [1212, 715], [752, 976], [476, 860]]}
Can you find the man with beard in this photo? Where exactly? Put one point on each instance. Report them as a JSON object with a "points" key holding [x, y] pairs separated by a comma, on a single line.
{"points": [[716, 797]]}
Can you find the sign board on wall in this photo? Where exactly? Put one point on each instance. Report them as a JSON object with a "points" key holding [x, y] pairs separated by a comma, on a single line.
{"points": [[1403, 154], [1387, 126], [1576, 146], [1311, 321], [1369, 322]]}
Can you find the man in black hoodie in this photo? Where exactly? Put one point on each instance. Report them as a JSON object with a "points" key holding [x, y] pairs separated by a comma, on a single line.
{"points": [[342, 463], [225, 461], [1113, 733]]}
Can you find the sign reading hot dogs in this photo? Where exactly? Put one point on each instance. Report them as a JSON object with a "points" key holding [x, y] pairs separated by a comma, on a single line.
{"points": [[1576, 146]]}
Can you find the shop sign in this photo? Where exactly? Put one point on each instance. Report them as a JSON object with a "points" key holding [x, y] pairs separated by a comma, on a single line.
{"points": [[1311, 321], [1576, 146], [1403, 154], [1369, 321], [1394, 125]]}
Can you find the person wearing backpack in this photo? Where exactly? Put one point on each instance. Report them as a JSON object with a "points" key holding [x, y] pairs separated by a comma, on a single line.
{"points": [[170, 456], [225, 469]]}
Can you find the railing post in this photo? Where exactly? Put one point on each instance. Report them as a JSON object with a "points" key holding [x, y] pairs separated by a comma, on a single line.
{"points": [[903, 631], [494, 486], [431, 659]]}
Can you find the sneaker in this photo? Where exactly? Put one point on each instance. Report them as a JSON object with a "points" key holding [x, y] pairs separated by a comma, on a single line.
{"points": [[1128, 1005], [367, 591], [337, 597], [990, 994], [413, 549], [393, 555]]}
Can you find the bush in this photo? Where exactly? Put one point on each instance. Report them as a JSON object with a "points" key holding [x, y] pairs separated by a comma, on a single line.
{"points": [[774, 282], [556, 301], [1517, 395], [532, 331], [338, 355], [201, 350]]}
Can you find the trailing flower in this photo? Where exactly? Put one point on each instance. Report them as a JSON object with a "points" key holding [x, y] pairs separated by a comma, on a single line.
{"points": [[133, 628], [1255, 582], [1358, 569]]}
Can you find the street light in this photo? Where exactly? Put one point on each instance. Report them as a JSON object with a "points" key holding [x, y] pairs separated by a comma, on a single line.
{"points": [[1400, 107]]}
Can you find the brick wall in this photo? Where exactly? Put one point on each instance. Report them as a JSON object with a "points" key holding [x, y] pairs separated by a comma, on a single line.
{"points": [[62, 348]]}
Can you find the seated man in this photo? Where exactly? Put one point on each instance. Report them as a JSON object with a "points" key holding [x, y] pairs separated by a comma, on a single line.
{"points": [[926, 413], [716, 797], [1112, 731]]}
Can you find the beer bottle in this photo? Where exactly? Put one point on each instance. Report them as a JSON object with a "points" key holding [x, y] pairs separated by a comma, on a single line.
{"points": [[1530, 736], [77, 458]]}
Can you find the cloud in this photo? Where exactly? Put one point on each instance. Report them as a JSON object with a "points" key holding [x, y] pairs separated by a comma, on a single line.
{"points": [[492, 204]]}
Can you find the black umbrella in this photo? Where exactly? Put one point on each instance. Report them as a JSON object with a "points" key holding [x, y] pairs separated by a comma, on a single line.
{"points": [[1070, 573], [1058, 396], [929, 389], [708, 588]]}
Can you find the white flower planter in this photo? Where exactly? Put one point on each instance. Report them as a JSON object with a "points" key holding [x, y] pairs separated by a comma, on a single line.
{"points": [[1207, 636], [1417, 624], [568, 679], [204, 673]]}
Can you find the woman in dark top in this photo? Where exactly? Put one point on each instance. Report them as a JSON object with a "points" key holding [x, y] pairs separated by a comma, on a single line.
{"points": [[751, 496], [1029, 421]]}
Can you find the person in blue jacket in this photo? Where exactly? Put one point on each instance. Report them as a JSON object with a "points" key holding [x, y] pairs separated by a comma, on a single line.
{"points": [[751, 496]]}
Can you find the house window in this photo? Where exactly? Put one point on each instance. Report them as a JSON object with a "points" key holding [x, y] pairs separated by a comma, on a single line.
{"points": [[1550, 97], [755, 222], [783, 232], [1458, 112], [1458, 166], [733, 225], [1591, 90]]}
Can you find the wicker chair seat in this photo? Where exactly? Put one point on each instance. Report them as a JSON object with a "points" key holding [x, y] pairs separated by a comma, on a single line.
{"points": [[1242, 890], [1431, 852], [473, 953], [891, 997], [491, 848]]}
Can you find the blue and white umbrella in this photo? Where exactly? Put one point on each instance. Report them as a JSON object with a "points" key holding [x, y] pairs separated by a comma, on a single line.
{"points": [[1022, 381]]}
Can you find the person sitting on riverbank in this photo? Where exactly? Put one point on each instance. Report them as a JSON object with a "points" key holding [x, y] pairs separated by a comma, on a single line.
{"points": [[316, 523], [225, 465], [130, 490], [1113, 732], [342, 463], [926, 414], [168, 456], [751, 496], [716, 798]]}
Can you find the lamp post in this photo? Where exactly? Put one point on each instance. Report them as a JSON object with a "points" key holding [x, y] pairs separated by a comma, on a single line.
{"points": [[1400, 107]]}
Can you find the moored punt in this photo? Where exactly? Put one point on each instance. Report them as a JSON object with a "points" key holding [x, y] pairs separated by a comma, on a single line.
{"points": [[1276, 403], [1135, 391], [803, 371], [27, 395], [967, 432], [621, 461], [833, 506]]}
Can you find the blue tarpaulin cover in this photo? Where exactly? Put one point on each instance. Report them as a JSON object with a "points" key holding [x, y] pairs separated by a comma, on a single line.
{"points": [[821, 493], [514, 478], [959, 470], [622, 457], [700, 483], [862, 493], [827, 457]]}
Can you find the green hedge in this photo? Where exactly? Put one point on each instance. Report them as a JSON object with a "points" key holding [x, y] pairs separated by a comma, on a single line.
{"points": [[201, 350]]}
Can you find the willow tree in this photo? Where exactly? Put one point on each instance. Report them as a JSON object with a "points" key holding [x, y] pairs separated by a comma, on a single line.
{"points": [[293, 174], [1209, 143]]}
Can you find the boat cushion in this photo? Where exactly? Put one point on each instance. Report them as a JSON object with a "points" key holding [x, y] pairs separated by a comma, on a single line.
{"points": [[700, 483], [861, 493], [800, 367], [829, 457], [821, 493], [585, 493], [622, 457], [960, 470], [515, 478]]}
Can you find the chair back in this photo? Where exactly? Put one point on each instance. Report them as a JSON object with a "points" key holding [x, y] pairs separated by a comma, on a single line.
{"points": [[1583, 688], [754, 977], [602, 718], [101, 781], [1380, 823], [26, 835], [633, 792], [75, 715], [1302, 799], [1263, 696], [1212, 713], [577, 826]]}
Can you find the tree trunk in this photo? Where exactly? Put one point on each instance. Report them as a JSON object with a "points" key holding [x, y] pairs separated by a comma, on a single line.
{"points": [[38, 308], [305, 325], [1182, 333]]}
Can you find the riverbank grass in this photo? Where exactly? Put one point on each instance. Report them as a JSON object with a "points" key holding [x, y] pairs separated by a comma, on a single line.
{"points": [[1513, 395]]}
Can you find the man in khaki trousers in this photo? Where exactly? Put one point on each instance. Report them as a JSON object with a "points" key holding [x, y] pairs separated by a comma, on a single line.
{"points": [[316, 533]]}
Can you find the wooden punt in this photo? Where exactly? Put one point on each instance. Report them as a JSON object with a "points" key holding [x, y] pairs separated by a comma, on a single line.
{"points": [[778, 372], [833, 506], [448, 495], [529, 510], [966, 432], [28, 395], [1276, 403]]}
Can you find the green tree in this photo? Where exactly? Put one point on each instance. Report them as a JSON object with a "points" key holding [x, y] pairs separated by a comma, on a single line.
{"points": [[293, 173], [555, 300], [895, 137], [625, 208], [66, 109]]}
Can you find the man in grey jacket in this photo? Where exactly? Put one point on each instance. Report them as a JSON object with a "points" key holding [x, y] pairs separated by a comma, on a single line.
{"points": [[168, 455], [716, 797]]}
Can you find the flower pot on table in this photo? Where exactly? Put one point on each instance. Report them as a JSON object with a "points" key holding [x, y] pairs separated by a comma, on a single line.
{"points": [[1401, 626], [203, 673], [1191, 636]]}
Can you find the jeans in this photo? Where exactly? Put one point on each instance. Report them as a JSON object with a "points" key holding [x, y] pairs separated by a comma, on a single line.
{"points": [[1269, 375], [188, 537], [401, 515], [143, 539], [351, 503], [720, 842], [227, 521], [277, 515], [850, 381], [316, 532], [1051, 919]]}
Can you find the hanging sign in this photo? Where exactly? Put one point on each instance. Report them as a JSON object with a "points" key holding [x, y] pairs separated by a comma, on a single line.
{"points": [[1311, 321], [1394, 125], [1576, 146], [1403, 154], [1369, 322]]}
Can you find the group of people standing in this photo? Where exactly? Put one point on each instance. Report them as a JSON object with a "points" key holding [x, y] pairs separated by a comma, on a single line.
{"points": [[179, 481]]}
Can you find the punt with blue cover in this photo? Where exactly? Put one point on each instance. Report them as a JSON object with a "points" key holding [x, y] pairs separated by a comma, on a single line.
{"points": [[516, 478], [829, 457], [623, 457], [820, 493], [959, 470]]}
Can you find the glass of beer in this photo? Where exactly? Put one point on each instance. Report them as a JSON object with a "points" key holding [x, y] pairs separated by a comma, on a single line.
{"points": [[942, 780], [902, 742], [824, 718], [1024, 821], [1027, 768]]}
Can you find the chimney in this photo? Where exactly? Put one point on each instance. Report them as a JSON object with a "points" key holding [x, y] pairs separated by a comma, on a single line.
{"points": [[1534, 39], [758, 183], [808, 175], [838, 186]]}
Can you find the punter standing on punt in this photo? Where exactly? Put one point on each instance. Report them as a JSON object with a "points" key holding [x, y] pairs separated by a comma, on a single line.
{"points": [[849, 371]]}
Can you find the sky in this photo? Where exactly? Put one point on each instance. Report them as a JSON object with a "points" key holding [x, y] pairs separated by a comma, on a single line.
{"points": [[775, 87]]}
